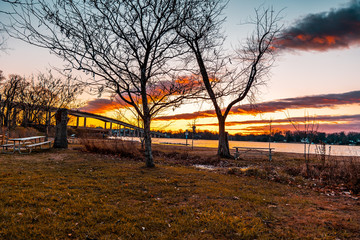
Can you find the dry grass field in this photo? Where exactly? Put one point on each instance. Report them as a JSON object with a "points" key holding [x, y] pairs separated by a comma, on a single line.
{"points": [[79, 194]]}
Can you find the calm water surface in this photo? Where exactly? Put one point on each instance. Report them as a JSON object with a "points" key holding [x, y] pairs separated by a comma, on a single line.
{"points": [[339, 150]]}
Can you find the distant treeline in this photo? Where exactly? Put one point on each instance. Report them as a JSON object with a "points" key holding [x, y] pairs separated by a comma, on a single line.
{"points": [[341, 138]]}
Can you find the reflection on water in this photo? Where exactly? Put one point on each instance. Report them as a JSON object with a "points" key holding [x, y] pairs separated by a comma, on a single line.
{"points": [[339, 150]]}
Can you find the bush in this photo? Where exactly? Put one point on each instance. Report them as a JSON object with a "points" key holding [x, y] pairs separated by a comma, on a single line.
{"points": [[116, 147], [20, 132], [346, 171], [186, 159], [293, 171]]}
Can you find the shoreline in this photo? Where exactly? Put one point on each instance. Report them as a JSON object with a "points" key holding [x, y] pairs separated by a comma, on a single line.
{"points": [[334, 150], [211, 152]]}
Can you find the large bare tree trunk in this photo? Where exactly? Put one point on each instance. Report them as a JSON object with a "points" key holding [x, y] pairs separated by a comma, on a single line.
{"points": [[147, 139], [147, 134], [223, 147], [61, 128], [203, 35]]}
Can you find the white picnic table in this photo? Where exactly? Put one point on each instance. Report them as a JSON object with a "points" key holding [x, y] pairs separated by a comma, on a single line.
{"points": [[27, 143], [251, 149]]}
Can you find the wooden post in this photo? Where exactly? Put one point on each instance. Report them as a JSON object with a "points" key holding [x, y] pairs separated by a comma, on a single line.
{"points": [[77, 121], [84, 122]]}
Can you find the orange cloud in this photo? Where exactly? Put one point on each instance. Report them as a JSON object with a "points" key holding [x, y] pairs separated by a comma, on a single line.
{"points": [[326, 124], [328, 128], [101, 106], [338, 28], [179, 86], [316, 101], [158, 92]]}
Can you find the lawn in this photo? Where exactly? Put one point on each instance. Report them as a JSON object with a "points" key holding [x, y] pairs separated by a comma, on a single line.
{"points": [[72, 194]]}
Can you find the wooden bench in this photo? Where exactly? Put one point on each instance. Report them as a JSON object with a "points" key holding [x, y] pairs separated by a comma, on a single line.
{"points": [[31, 146], [267, 151], [26, 143], [6, 146]]}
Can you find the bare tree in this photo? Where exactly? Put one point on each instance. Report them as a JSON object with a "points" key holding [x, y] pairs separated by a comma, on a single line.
{"points": [[130, 47], [226, 82], [128, 114], [307, 128], [44, 94], [10, 91], [32, 101], [192, 125]]}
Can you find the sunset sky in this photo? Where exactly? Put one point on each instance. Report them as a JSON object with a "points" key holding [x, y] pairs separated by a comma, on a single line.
{"points": [[316, 73]]}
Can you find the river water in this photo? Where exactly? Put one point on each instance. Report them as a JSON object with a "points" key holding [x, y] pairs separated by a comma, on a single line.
{"points": [[338, 150]]}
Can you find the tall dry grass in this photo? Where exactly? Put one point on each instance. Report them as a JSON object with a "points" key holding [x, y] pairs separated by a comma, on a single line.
{"points": [[331, 170], [341, 172], [163, 154], [116, 147], [344, 171], [19, 132]]}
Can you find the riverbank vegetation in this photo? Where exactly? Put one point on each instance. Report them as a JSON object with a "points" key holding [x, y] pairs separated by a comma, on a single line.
{"points": [[340, 138], [323, 172], [74, 194]]}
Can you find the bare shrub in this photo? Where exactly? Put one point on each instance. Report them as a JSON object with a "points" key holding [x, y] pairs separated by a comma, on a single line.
{"points": [[116, 147], [24, 132], [345, 171], [293, 171], [320, 150], [185, 158]]}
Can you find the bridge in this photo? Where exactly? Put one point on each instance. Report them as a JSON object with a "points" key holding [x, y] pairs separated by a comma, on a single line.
{"points": [[133, 130], [123, 128]]}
